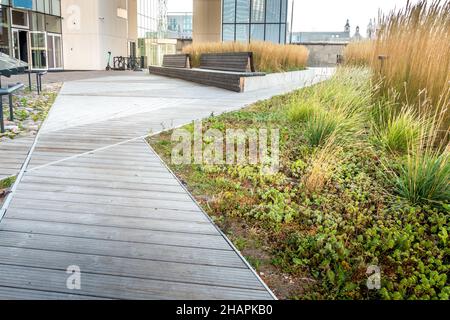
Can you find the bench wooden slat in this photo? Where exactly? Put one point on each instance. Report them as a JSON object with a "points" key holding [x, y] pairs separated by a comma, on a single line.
{"points": [[230, 61], [176, 61]]}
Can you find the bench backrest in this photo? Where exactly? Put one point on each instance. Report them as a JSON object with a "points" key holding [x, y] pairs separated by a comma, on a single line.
{"points": [[230, 61], [176, 61]]}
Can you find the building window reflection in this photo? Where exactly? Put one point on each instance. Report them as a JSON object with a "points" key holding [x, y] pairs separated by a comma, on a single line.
{"points": [[254, 20]]}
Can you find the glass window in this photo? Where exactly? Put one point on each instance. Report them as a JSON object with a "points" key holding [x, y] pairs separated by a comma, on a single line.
{"points": [[53, 24], [273, 11], [263, 20], [228, 32], [50, 52], [284, 11], [58, 52], [38, 50], [273, 32], [257, 32], [20, 18], [54, 53], [229, 11], [47, 6], [56, 7], [37, 21], [283, 34], [4, 30], [243, 11], [242, 32], [258, 10], [38, 40], [40, 6]]}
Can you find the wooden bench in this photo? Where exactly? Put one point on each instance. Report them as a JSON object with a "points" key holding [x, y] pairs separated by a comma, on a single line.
{"points": [[177, 61], [223, 70], [232, 61]]}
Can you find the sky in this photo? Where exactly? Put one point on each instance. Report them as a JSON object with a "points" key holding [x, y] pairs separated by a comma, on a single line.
{"points": [[324, 15]]}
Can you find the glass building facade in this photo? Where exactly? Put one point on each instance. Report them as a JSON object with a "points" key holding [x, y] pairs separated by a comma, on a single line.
{"points": [[254, 20], [179, 25], [30, 30], [152, 31]]}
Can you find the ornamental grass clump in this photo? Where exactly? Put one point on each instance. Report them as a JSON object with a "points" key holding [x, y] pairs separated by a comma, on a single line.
{"points": [[268, 57], [411, 55], [320, 127], [423, 176], [302, 110], [401, 131]]}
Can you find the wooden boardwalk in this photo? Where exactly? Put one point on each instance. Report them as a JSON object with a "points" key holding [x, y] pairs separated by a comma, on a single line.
{"points": [[96, 196], [12, 156]]}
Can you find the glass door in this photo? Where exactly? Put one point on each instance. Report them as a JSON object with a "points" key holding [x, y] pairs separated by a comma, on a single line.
{"points": [[16, 46], [38, 50], [54, 52]]}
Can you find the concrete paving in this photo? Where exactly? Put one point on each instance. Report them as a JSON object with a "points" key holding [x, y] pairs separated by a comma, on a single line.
{"points": [[96, 197]]}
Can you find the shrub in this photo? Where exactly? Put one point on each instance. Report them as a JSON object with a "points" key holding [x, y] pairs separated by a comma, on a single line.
{"points": [[268, 57]]}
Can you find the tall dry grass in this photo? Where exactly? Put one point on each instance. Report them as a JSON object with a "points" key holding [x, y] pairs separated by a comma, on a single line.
{"points": [[359, 53], [416, 44], [268, 57]]}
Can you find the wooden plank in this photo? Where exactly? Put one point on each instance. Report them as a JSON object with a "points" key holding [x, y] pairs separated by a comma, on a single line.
{"points": [[50, 173], [116, 234], [90, 190], [143, 162], [158, 224], [134, 250], [153, 270], [39, 180], [117, 166], [125, 211], [109, 172], [8, 293], [107, 200], [114, 287]]}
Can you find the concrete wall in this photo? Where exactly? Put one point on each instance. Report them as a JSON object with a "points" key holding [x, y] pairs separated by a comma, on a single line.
{"points": [[132, 21], [324, 54], [181, 43], [91, 28], [207, 21], [80, 34]]}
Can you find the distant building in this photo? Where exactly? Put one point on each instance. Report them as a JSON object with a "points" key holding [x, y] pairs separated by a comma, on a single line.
{"points": [[357, 36], [327, 36], [347, 26], [179, 25], [372, 30]]}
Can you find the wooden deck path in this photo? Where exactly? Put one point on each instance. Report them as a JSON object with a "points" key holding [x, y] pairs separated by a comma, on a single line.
{"points": [[12, 156], [96, 196]]}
